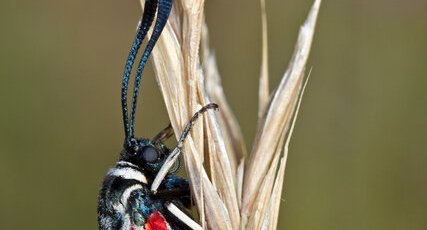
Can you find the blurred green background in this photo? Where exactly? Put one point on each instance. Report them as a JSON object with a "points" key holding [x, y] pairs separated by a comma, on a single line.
{"points": [[359, 154]]}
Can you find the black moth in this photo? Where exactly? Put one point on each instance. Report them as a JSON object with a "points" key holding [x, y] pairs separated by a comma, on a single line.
{"points": [[125, 200]]}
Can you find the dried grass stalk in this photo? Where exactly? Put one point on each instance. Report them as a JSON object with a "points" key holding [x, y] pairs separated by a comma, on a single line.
{"points": [[263, 92], [228, 188], [278, 114]]}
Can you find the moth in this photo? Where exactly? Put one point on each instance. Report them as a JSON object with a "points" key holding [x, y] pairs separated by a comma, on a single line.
{"points": [[127, 200]]}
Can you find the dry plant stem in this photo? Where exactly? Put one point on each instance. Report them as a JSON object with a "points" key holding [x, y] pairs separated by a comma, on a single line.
{"points": [[174, 61], [230, 191], [233, 136], [263, 92], [278, 115]]}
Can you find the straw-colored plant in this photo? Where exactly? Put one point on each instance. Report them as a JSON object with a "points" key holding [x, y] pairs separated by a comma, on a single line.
{"points": [[231, 190]]}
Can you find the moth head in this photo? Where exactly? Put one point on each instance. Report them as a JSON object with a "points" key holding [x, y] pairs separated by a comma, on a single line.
{"points": [[143, 153]]}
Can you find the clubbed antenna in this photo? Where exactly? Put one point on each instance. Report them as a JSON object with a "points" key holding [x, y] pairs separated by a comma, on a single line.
{"points": [[143, 27], [164, 10]]}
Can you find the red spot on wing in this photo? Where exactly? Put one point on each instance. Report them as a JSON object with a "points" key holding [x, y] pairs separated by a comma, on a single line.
{"points": [[156, 222]]}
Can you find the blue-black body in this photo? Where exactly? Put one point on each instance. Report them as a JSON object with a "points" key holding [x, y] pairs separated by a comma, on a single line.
{"points": [[125, 200]]}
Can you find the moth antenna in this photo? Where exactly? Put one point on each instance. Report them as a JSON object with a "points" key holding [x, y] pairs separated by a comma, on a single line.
{"points": [[164, 9], [143, 27], [190, 124], [175, 152]]}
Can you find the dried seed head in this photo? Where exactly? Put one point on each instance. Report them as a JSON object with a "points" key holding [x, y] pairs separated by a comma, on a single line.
{"points": [[231, 190]]}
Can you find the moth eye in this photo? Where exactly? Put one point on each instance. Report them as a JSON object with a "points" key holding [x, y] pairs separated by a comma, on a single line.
{"points": [[150, 154]]}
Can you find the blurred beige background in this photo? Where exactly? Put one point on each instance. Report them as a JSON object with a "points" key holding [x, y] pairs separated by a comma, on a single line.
{"points": [[359, 154]]}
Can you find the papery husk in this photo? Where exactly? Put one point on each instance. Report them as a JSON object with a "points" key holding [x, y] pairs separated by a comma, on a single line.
{"points": [[181, 80], [228, 188], [278, 115], [263, 91]]}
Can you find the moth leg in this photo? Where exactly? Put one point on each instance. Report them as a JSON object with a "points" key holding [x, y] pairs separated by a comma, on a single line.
{"points": [[159, 140], [172, 193], [174, 188], [163, 135], [181, 216]]}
